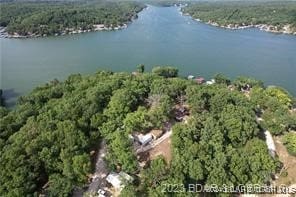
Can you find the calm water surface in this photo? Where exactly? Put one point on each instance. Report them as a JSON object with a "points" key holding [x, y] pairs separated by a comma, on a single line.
{"points": [[160, 36]]}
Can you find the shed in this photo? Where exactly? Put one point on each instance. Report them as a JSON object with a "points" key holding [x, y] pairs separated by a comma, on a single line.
{"points": [[145, 139], [156, 133]]}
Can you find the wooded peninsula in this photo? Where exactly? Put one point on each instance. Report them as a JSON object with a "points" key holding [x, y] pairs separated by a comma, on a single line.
{"points": [[215, 129], [34, 19], [277, 17]]}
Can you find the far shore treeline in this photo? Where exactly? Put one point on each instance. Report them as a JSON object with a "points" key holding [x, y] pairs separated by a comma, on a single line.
{"points": [[47, 139], [32, 19], [273, 16], [46, 18]]}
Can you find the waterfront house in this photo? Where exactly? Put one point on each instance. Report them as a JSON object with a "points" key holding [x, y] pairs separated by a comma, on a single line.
{"points": [[200, 80], [211, 82], [190, 77]]}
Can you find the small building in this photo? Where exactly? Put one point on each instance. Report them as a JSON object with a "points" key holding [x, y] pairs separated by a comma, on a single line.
{"points": [[270, 143], [211, 82], [145, 139], [118, 180], [156, 133], [200, 80], [190, 77]]}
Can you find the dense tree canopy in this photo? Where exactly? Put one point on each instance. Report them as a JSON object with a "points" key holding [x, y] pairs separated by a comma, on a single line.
{"points": [[218, 140], [245, 13], [290, 142], [221, 79], [274, 105], [46, 140], [49, 18]]}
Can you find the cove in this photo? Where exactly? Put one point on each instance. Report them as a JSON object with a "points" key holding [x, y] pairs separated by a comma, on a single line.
{"points": [[160, 36]]}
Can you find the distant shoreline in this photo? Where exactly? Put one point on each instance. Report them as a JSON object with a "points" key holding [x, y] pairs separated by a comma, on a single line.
{"points": [[68, 31], [109, 22], [286, 29], [262, 27]]}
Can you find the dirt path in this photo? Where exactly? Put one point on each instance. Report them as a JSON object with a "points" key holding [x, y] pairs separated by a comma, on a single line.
{"points": [[155, 143], [98, 178], [164, 149], [289, 163]]}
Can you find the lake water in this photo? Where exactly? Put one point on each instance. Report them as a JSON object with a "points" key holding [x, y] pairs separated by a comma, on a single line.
{"points": [[160, 36]]}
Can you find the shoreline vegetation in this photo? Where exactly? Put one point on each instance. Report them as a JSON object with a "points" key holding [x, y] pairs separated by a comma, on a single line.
{"points": [[67, 31], [40, 19], [49, 141], [274, 17]]}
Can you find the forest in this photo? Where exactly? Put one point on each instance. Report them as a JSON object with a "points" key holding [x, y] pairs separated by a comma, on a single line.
{"points": [[277, 14], [62, 17], [46, 140]]}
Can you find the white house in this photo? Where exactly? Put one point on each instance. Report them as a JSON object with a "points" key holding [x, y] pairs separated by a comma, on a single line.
{"points": [[270, 143], [190, 77], [212, 81], [145, 139], [118, 180]]}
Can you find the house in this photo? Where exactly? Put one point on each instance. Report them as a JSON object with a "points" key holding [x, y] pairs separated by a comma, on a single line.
{"points": [[200, 80], [145, 139], [270, 143], [211, 82], [156, 133], [119, 180], [190, 77]]}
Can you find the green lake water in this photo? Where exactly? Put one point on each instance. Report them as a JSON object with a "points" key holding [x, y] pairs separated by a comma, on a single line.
{"points": [[160, 36]]}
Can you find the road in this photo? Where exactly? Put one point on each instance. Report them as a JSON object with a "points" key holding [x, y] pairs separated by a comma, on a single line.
{"points": [[98, 178]]}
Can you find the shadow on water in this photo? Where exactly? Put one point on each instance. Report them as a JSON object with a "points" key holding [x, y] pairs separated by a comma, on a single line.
{"points": [[10, 97]]}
